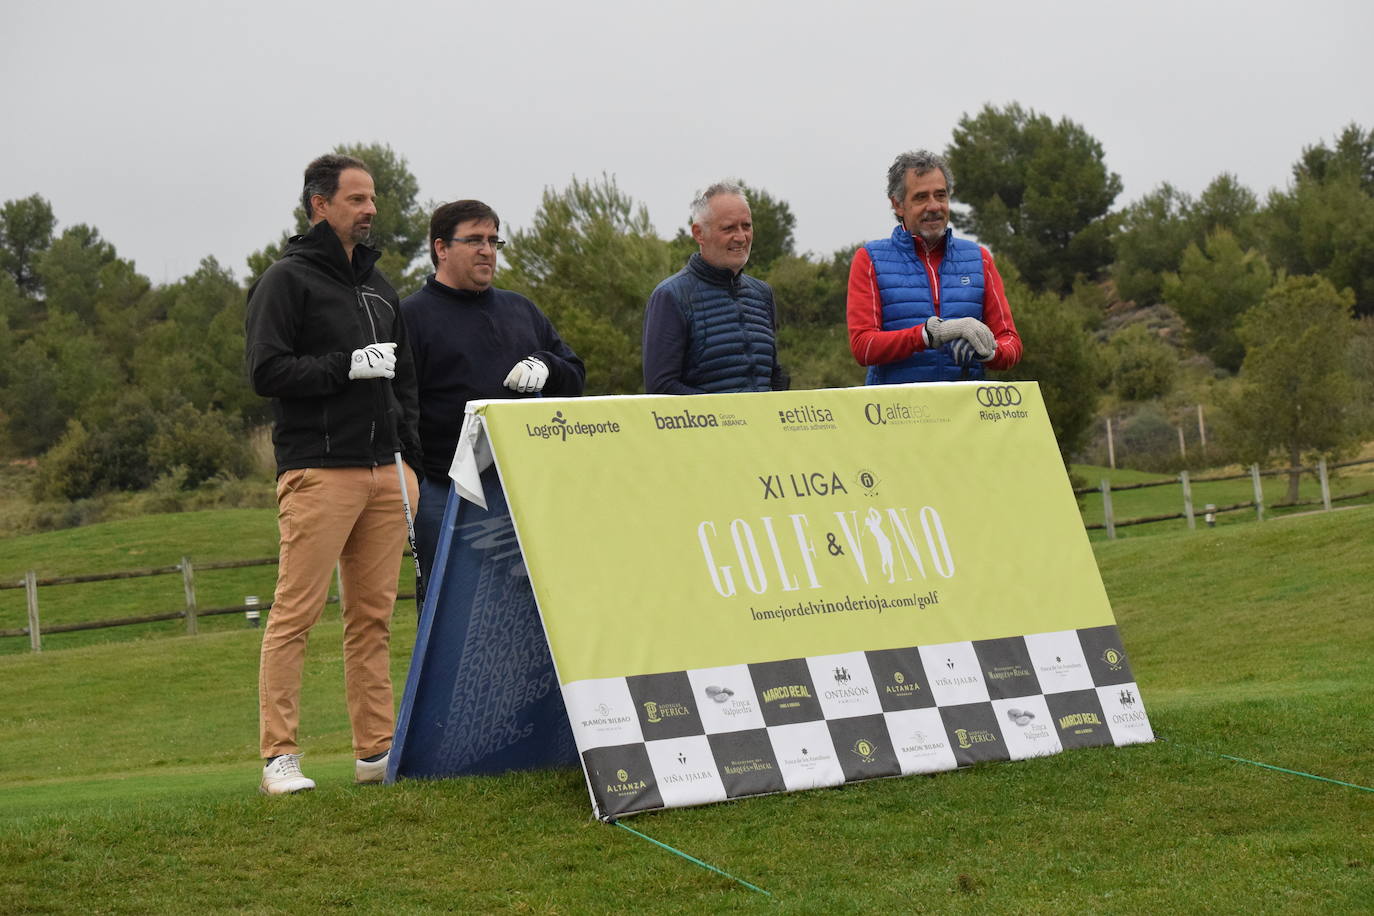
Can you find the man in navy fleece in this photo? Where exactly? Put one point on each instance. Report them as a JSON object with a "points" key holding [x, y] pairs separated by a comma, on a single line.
{"points": [[472, 341], [710, 327]]}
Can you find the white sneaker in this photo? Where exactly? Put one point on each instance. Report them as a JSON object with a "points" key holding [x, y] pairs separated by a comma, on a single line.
{"points": [[375, 771], [283, 776]]}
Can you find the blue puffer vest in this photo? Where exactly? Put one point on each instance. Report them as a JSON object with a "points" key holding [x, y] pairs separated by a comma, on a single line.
{"points": [[905, 290], [729, 317]]}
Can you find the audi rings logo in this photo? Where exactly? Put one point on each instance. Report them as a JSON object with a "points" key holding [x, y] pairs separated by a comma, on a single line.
{"points": [[998, 396]]}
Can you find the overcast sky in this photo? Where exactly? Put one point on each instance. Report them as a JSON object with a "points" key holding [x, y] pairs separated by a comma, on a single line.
{"points": [[180, 129]]}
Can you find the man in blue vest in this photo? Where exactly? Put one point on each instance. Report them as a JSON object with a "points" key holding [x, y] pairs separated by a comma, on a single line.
{"points": [[923, 305], [710, 327]]}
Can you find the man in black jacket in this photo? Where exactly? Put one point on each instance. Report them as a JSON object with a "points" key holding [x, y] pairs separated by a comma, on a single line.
{"points": [[325, 342], [472, 341]]}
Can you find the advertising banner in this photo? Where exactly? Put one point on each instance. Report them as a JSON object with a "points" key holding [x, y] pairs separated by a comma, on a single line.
{"points": [[761, 592], [481, 696]]}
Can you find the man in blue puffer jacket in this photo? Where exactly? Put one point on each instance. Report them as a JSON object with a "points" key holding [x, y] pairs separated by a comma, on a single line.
{"points": [[923, 305], [710, 327]]}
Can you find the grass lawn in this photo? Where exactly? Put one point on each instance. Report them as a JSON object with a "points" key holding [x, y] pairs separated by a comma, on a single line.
{"points": [[129, 774]]}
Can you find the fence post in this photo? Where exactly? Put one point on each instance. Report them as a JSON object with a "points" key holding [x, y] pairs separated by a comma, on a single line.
{"points": [[1111, 446], [1201, 430], [1188, 501], [1182, 449], [1107, 509], [31, 593], [1259, 494], [1326, 484], [188, 579]]}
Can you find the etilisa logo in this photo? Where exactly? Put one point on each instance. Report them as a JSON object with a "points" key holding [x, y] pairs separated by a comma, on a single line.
{"points": [[807, 416], [561, 428]]}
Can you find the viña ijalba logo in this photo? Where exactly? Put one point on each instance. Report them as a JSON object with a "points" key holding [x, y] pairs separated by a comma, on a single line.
{"points": [[561, 428]]}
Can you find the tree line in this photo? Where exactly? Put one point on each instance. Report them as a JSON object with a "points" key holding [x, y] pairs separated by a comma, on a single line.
{"points": [[1262, 310]]}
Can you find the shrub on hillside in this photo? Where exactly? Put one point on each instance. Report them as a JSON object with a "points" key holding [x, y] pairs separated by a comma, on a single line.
{"points": [[135, 442], [1144, 367], [201, 444]]}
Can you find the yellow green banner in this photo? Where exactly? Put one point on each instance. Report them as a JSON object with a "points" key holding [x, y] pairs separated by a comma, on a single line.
{"points": [[668, 533]]}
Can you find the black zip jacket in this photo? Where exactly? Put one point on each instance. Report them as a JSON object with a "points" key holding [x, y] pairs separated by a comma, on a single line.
{"points": [[306, 315]]}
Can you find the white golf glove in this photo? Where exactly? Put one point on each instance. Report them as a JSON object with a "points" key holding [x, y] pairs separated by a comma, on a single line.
{"points": [[528, 376], [964, 354], [376, 360], [940, 331]]}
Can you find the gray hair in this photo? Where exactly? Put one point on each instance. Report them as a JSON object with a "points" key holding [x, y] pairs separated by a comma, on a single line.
{"points": [[702, 204], [922, 160]]}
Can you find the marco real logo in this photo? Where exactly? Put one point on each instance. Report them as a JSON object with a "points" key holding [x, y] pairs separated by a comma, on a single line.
{"points": [[562, 429]]}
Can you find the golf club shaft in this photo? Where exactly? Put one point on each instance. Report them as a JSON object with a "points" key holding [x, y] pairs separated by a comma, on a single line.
{"points": [[410, 534]]}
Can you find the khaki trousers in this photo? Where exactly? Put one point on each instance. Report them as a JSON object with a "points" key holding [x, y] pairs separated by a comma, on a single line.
{"points": [[353, 516]]}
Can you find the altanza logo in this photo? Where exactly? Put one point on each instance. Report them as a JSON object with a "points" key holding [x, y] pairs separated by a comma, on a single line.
{"points": [[685, 420], [561, 428]]}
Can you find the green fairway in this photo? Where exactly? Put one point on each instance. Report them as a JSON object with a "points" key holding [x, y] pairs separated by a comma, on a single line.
{"points": [[128, 782]]}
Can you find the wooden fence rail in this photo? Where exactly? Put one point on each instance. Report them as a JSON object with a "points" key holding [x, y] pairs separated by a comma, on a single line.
{"points": [[1110, 523], [191, 613]]}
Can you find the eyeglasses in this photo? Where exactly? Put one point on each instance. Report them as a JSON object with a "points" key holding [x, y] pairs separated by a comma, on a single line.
{"points": [[477, 241]]}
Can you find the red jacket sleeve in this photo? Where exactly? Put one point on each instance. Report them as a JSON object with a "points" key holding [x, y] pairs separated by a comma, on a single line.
{"points": [[996, 315], [870, 344]]}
